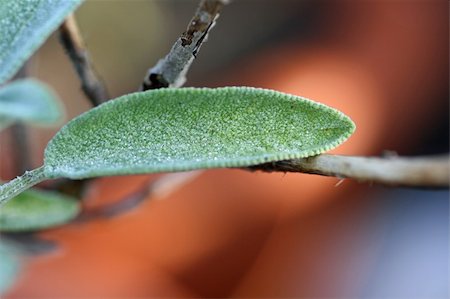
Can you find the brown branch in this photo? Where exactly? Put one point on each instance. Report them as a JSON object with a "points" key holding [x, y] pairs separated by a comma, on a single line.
{"points": [[72, 41], [433, 171], [171, 70]]}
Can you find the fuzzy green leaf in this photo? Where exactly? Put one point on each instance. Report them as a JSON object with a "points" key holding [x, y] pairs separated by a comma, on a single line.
{"points": [[33, 210], [191, 128], [29, 100], [24, 27]]}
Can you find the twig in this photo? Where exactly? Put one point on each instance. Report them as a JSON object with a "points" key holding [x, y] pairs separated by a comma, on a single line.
{"points": [[160, 189], [21, 183], [72, 41], [169, 183], [171, 70], [431, 171]]}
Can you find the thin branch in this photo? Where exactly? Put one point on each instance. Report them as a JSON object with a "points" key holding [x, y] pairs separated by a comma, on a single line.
{"points": [[433, 171], [429, 172], [171, 70], [169, 183], [72, 41], [160, 189], [21, 183]]}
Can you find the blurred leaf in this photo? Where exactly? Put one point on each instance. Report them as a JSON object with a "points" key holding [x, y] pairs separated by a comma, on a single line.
{"points": [[10, 262], [24, 27], [28, 100], [33, 210], [191, 128]]}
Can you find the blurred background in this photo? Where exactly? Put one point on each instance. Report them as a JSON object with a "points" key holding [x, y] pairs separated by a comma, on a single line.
{"points": [[231, 233]]}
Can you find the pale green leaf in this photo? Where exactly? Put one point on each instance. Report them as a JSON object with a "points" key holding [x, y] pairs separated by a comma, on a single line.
{"points": [[34, 210], [10, 264], [188, 128], [29, 100], [24, 27]]}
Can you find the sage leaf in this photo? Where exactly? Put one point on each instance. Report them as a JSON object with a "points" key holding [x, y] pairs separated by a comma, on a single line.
{"points": [[24, 27], [34, 210], [180, 129], [29, 100], [191, 128]]}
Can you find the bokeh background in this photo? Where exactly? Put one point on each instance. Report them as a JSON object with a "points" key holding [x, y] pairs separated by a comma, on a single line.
{"points": [[231, 233]]}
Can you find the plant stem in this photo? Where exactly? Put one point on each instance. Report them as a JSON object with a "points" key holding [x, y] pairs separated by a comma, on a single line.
{"points": [[72, 41], [429, 172], [21, 183], [160, 189]]}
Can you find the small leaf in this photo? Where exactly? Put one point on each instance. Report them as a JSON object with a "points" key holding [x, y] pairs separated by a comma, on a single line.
{"points": [[29, 100], [24, 27], [33, 210], [10, 262], [190, 128]]}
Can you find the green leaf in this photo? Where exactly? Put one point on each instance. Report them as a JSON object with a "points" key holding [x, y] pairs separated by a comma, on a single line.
{"points": [[24, 27], [187, 128], [190, 128], [29, 100], [10, 262], [34, 210]]}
